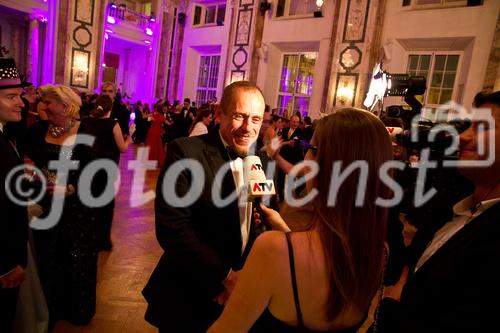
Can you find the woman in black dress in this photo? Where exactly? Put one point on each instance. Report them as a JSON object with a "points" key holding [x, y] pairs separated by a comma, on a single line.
{"points": [[108, 144], [66, 253], [322, 279]]}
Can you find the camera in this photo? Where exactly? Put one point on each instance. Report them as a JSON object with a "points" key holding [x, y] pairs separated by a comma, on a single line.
{"points": [[417, 135]]}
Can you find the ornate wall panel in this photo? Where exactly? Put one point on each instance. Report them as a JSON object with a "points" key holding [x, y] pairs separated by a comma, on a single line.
{"points": [[161, 77], [241, 48], [81, 32], [351, 56]]}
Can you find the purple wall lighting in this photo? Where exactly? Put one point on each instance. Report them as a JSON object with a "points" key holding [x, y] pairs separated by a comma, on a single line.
{"points": [[149, 32], [106, 36], [35, 47], [147, 41], [111, 20]]}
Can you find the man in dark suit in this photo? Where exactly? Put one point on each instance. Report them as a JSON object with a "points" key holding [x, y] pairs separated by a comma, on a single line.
{"points": [[119, 111], [291, 151], [308, 129], [14, 221], [186, 117], [205, 243], [454, 286]]}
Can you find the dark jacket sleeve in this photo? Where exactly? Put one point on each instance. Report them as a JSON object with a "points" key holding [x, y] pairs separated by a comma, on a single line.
{"points": [[13, 224], [192, 258]]}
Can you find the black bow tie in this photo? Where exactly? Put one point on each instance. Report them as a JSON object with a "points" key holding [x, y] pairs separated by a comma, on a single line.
{"points": [[233, 154]]}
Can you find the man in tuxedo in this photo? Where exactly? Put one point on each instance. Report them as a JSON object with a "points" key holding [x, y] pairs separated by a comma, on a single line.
{"points": [[187, 116], [119, 111], [291, 151], [14, 221], [205, 245], [454, 286], [308, 130]]}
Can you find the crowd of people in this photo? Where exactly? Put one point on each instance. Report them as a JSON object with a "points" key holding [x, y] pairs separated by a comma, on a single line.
{"points": [[220, 271]]}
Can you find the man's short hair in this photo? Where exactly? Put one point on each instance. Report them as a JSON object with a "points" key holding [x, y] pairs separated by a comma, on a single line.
{"points": [[227, 94], [187, 100], [275, 118], [107, 84], [484, 98]]}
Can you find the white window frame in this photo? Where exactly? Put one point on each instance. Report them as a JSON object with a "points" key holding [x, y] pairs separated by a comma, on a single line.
{"points": [[433, 55], [286, 13], [442, 4], [294, 94], [204, 9], [208, 90]]}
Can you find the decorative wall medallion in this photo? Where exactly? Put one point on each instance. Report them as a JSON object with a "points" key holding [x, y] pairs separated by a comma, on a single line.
{"points": [[246, 3], [350, 57], [82, 36], [237, 76], [355, 20], [80, 65], [345, 91], [240, 57], [243, 27], [83, 11]]}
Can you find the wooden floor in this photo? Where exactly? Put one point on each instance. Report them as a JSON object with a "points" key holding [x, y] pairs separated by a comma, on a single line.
{"points": [[124, 271]]}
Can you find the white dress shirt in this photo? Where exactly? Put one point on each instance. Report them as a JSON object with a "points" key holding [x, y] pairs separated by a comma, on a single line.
{"points": [[244, 207], [199, 129], [463, 215]]}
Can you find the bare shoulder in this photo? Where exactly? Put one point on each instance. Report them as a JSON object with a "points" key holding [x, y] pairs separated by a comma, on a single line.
{"points": [[271, 244]]}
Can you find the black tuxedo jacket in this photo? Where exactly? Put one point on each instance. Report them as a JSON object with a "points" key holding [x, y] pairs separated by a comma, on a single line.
{"points": [[14, 218], [292, 154], [202, 242], [458, 288]]}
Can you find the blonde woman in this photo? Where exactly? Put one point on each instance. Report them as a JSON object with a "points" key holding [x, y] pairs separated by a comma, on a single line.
{"points": [[66, 253]]}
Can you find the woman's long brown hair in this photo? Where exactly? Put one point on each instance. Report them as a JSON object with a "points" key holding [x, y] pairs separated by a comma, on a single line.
{"points": [[352, 237]]}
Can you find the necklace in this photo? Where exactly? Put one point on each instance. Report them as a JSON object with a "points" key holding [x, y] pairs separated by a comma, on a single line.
{"points": [[58, 131]]}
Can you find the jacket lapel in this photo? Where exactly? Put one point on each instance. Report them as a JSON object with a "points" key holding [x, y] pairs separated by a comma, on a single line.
{"points": [[9, 144], [217, 159], [469, 231]]}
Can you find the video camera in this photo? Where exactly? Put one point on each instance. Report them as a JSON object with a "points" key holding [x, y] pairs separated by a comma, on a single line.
{"points": [[416, 133], [413, 133]]}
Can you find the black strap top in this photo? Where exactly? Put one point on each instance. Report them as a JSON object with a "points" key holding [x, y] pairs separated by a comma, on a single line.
{"points": [[268, 323], [294, 281]]}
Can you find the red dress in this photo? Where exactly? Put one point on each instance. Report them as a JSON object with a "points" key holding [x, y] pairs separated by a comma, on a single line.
{"points": [[153, 140]]}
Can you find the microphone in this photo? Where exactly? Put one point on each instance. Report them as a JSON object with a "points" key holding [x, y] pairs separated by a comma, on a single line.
{"points": [[393, 131], [258, 186]]}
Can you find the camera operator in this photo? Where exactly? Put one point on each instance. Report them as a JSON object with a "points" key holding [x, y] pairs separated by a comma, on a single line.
{"points": [[455, 280]]}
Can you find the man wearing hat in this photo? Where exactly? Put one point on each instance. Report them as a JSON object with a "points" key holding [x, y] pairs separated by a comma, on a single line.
{"points": [[14, 220]]}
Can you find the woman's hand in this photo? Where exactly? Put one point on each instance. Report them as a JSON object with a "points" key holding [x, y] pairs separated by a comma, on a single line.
{"points": [[60, 191], [13, 278], [273, 218], [273, 148], [131, 129]]}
